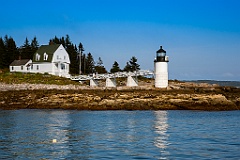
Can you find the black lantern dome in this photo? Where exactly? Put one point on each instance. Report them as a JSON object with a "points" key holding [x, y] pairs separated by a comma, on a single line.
{"points": [[161, 55]]}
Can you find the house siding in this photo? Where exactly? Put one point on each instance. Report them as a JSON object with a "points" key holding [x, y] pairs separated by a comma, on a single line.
{"points": [[41, 68], [60, 59], [20, 68], [61, 55]]}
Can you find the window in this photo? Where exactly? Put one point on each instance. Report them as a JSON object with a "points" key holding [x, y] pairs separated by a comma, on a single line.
{"points": [[45, 56], [21, 67], [37, 57], [64, 57], [37, 67], [31, 67], [12, 68], [62, 66]]}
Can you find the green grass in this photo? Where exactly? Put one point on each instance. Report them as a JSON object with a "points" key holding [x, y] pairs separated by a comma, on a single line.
{"points": [[31, 78], [18, 78]]}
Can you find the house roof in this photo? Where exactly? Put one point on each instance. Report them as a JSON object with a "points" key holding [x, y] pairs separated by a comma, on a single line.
{"points": [[48, 49], [19, 62]]}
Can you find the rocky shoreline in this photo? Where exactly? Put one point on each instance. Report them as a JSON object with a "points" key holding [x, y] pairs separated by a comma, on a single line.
{"points": [[178, 96]]}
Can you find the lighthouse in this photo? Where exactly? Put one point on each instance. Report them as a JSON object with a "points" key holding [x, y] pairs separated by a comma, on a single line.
{"points": [[161, 69]]}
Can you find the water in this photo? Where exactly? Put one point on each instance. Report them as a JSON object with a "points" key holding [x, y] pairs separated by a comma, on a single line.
{"points": [[29, 134]]}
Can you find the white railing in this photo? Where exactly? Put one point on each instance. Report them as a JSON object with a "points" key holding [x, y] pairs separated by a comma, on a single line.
{"points": [[112, 75]]}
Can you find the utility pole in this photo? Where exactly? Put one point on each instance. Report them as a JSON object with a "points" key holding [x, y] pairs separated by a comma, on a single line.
{"points": [[81, 49], [80, 61]]}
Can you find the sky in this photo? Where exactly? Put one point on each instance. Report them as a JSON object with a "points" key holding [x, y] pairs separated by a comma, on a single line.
{"points": [[201, 37]]}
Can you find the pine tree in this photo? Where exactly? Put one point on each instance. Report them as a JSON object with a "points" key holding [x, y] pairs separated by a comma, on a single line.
{"points": [[127, 68], [2, 53], [11, 53], [67, 41], [55, 40], [115, 67], [99, 68], [62, 41], [26, 50], [90, 64], [34, 46], [99, 62], [132, 65], [72, 51]]}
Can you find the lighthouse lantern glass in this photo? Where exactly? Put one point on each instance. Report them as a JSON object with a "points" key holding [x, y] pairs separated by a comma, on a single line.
{"points": [[162, 54]]}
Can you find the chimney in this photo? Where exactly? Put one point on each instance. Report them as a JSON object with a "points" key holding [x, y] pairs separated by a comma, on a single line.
{"points": [[51, 42]]}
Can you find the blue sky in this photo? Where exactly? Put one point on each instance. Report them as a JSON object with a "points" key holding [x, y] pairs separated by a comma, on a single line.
{"points": [[201, 37]]}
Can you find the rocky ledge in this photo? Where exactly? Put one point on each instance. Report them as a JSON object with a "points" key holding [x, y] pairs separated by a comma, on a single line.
{"points": [[179, 96]]}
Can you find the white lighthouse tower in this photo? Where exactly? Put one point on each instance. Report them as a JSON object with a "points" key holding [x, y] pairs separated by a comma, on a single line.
{"points": [[161, 69]]}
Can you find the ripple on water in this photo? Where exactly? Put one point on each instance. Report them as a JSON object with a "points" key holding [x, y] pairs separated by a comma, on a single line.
{"points": [[29, 134]]}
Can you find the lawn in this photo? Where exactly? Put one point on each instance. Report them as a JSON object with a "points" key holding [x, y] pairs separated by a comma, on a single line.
{"points": [[18, 78]]}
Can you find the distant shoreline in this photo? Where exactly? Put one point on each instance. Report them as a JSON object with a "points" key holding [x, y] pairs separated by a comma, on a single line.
{"points": [[178, 96], [220, 83]]}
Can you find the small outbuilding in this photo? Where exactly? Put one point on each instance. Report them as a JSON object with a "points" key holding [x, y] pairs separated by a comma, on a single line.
{"points": [[22, 65]]}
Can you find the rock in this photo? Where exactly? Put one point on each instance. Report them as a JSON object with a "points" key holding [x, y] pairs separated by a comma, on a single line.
{"points": [[123, 96], [181, 96], [97, 98]]}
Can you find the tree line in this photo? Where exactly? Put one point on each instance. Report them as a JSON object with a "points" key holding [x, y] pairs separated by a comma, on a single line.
{"points": [[81, 62]]}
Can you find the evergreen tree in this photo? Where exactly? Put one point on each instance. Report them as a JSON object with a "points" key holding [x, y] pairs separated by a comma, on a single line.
{"points": [[34, 46], [26, 50], [89, 64], [67, 41], [54, 40], [57, 40], [11, 53], [99, 68], [127, 68], [72, 51], [115, 67], [2, 53], [132, 65], [62, 41]]}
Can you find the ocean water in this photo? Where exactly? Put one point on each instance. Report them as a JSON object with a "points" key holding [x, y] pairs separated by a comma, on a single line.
{"points": [[68, 134]]}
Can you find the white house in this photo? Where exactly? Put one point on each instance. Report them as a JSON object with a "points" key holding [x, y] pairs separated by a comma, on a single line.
{"points": [[52, 59], [22, 65]]}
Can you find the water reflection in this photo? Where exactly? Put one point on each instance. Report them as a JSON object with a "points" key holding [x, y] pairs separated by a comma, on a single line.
{"points": [[29, 133], [161, 127], [57, 127]]}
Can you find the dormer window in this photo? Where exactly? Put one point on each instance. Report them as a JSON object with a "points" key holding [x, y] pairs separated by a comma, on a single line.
{"points": [[37, 57], [45, 56]]}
